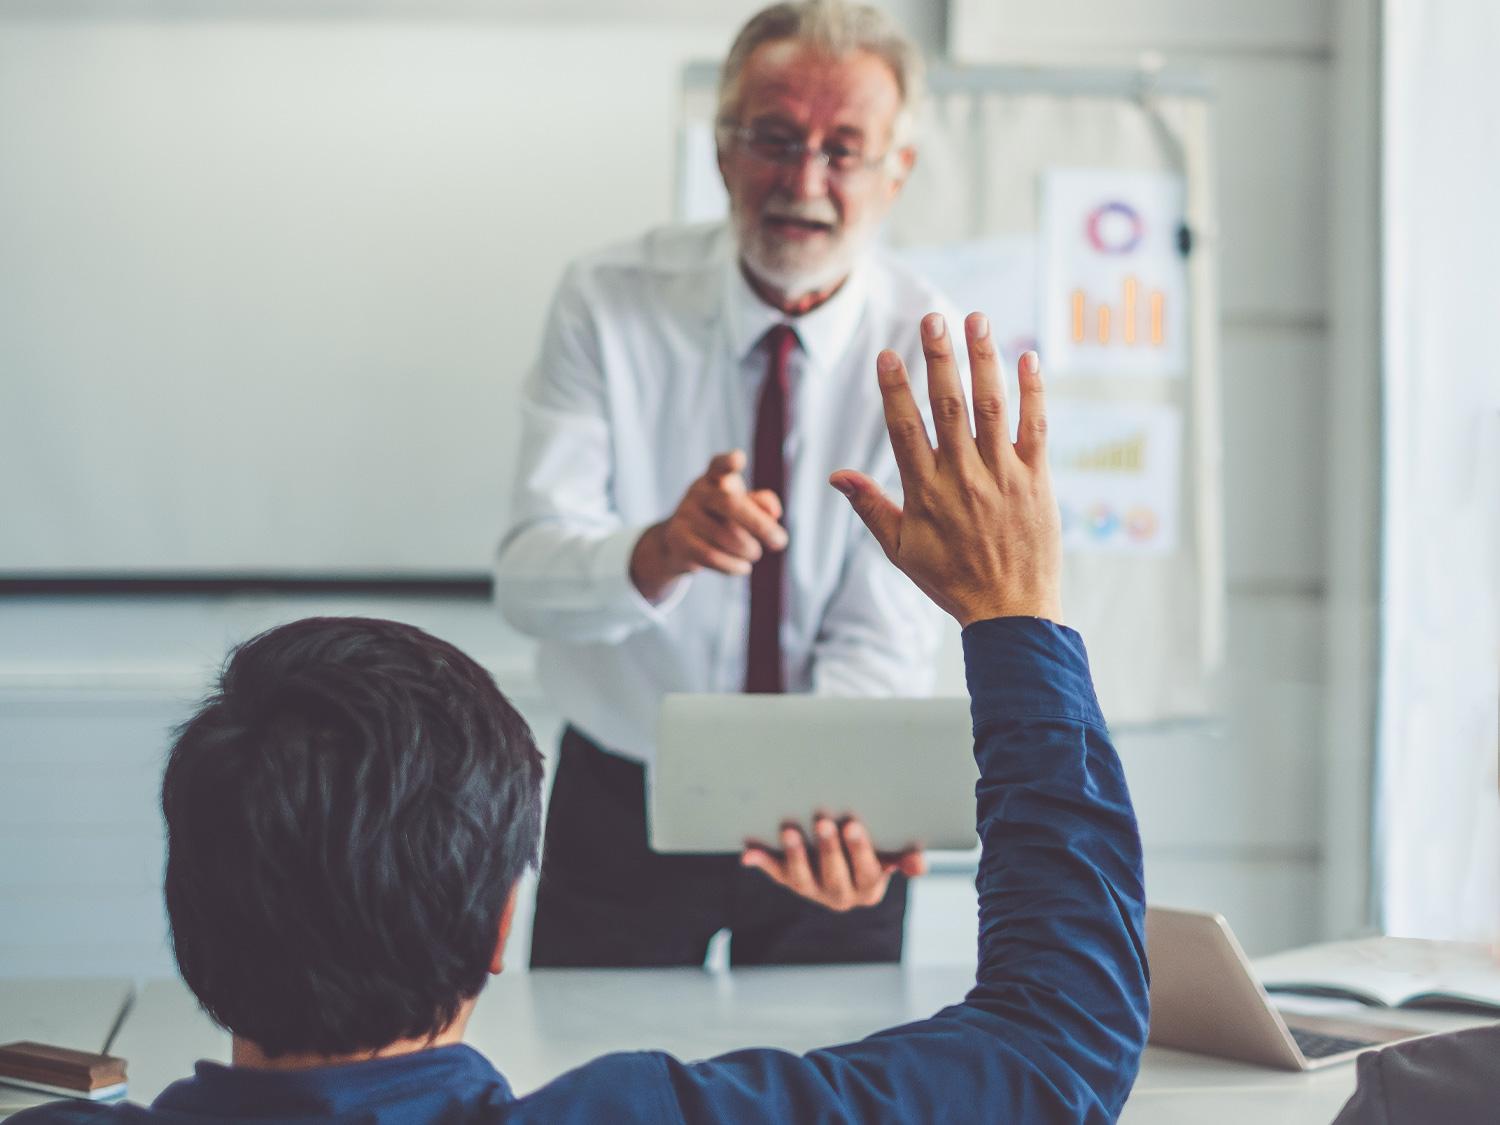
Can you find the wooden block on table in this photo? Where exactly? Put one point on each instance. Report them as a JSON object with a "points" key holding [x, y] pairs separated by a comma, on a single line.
{"points": [[61, 1069]]}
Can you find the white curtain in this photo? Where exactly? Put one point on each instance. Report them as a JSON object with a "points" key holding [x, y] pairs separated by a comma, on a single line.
{"points": [[1438, 795]]}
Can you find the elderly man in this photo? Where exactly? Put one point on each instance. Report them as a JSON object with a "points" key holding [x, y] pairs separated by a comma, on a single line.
{"points": [[671, 528]]}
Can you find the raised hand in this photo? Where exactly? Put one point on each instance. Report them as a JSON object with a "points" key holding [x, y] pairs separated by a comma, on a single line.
{"points": [[718, 525], [980, 532]]}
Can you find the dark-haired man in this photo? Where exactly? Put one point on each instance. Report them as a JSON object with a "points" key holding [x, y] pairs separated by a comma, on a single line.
{"points": [[347, 817]]}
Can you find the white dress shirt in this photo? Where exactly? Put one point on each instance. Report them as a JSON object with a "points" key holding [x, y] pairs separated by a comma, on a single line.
{"points": [[651, 363]]}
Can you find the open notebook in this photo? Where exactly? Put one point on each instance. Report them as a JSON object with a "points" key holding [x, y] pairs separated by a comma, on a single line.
{"points": [[1390, 972]]}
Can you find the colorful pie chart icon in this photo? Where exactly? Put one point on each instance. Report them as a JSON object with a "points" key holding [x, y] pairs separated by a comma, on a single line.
{"points": [[1102, 521], [1141, 524]]}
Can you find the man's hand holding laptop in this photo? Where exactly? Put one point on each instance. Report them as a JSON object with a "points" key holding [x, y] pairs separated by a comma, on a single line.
{"points": [[979, 533]]}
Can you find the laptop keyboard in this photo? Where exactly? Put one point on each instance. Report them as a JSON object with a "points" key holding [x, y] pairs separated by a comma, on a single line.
{"points": [[1315, 1046]]}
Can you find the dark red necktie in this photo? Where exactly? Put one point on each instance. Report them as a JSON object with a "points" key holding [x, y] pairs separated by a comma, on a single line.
{"points": [[763, 662]]}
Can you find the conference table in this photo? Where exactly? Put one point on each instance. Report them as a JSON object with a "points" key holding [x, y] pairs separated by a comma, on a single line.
{"points": [[536, 1025]]}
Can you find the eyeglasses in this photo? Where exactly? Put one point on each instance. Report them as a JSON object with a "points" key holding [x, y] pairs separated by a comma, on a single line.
{"points": [[787, 150]]}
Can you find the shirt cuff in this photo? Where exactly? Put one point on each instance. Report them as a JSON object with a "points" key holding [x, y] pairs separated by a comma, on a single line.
{"points": [[1028, 666], [613, 561]]}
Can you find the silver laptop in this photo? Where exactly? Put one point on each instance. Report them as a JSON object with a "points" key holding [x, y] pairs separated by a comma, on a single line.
{"points": [[1205, 998], [732, 768]]}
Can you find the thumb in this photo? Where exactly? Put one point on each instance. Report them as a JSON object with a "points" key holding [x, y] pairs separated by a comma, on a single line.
{"points": [[911, 863], [872, 506]]}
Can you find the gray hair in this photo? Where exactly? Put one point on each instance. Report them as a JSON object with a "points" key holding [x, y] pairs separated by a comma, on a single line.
{"points": [[839, 29]]}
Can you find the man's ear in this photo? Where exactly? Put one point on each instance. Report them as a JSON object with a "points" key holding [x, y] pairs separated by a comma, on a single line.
{"points": [[906, 160], [507, 916], [719, 160]]}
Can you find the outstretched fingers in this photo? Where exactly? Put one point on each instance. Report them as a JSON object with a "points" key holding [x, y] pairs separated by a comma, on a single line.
{"points": [[991, 427], [945, 390], [914, 456], [1031, 440]]}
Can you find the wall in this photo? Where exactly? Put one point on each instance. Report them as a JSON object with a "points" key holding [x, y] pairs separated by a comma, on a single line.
{"points": [[1232, 821], [1231, 815], [89, 691], [1439, 727], [90, 686], [302, 252], [269, 283]]}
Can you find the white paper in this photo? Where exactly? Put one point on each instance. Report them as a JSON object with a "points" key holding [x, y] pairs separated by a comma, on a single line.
{"points": [[1116, 470], [1114, 279], [1391, 970]]}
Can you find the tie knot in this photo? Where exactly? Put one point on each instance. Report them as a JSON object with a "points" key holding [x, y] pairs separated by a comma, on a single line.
{"points": [[780, 341]]}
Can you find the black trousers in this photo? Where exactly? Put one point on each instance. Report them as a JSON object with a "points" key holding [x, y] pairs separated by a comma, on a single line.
{"points": [[605, 899]]}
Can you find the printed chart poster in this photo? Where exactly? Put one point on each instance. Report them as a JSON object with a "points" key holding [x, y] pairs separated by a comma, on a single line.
{"points": [[1114, 279], [1116, 469]]}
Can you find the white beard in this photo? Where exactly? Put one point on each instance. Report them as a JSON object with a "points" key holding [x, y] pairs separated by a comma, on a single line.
{"points": [[790, 276], [791, 268]]}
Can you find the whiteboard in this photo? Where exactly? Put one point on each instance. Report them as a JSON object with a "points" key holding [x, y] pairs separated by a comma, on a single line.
{"points": [[268, 288]]}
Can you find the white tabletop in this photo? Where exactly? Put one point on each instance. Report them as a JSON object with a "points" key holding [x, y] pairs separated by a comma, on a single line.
{"points": [[534, 1026], [62, 1013]]}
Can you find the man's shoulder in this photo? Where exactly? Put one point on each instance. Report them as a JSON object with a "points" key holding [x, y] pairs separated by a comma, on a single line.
{"points": [[692, 252], [623, 1087], [1449, 1078], [898, 296]]}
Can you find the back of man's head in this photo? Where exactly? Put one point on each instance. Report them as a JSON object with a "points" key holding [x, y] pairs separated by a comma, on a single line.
{"points": [[346, 817]]}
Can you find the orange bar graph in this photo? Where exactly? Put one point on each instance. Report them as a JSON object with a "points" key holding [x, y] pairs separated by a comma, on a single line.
{"points": [[1108, 321]]}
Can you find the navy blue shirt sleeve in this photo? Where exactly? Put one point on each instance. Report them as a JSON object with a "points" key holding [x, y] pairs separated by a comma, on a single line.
{"points": [[1055, 1024]]}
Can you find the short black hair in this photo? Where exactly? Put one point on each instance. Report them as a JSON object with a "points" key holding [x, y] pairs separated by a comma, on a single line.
{"points": [[346, 817]]}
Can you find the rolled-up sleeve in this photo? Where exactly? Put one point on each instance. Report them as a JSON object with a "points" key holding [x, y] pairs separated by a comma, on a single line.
{"points": [[562, 571]]}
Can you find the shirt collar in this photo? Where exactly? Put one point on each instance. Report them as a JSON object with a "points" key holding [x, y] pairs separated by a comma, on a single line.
{"points": [[347, 1088], [824, 333]]}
